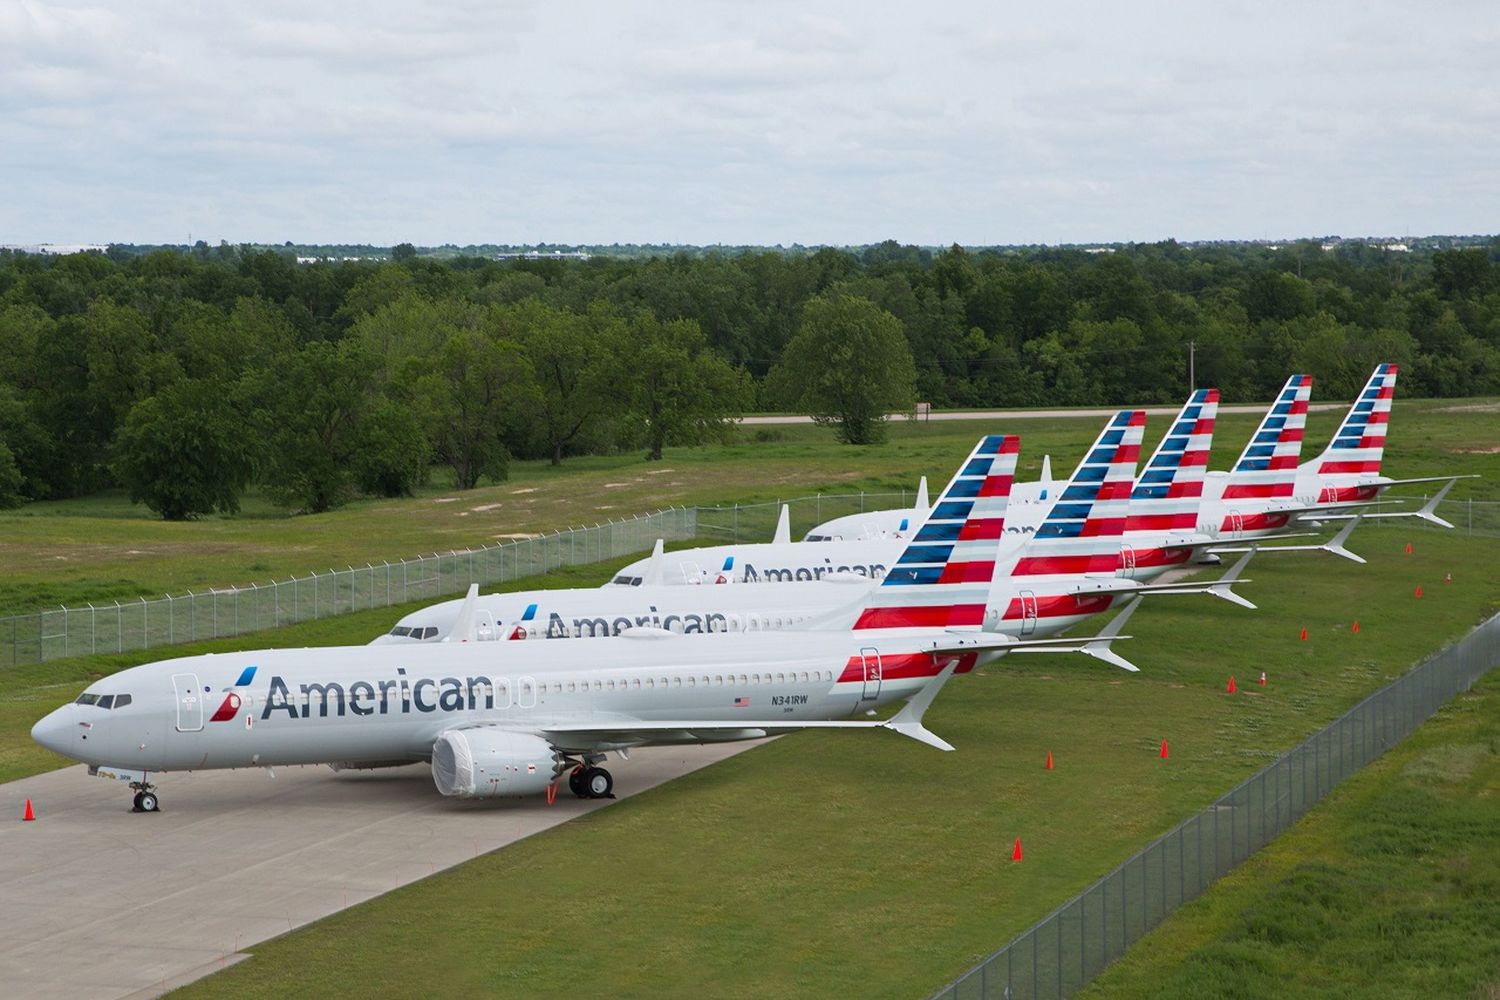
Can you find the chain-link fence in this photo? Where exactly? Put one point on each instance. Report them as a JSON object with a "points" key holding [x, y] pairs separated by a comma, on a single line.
{"points": [[217, 613], [1059, 956]]}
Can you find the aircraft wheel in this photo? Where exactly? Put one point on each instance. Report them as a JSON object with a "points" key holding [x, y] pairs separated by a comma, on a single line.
{"points": [[147, 802], [597, 783], [137, 802], [575, 783]]}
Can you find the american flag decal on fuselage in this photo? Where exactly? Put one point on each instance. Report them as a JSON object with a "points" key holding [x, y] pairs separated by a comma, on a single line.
{"points": [[942, 579]]}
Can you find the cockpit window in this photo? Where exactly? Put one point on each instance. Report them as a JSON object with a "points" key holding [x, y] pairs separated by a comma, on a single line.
{"points": [[401, 630], [624, 580], [121, 700], [430, 632], [816, 538], [88, 699], [107, 701]]}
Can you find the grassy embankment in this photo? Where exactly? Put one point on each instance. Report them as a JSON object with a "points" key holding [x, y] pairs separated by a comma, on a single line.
{"points": [[1390, 888], [103, 548], [822, 862]]}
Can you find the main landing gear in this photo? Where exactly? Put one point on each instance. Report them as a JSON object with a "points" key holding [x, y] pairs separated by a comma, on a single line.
{"points": [[145, 797], [590, 781]]}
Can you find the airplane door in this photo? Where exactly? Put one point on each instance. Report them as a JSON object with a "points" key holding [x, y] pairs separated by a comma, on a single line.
{"points": [[1028, 612], [189, 703], [1236, 523], [871, 658], [1127, 562]]}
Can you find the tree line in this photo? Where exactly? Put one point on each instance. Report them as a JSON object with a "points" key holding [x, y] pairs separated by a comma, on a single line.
{"points": [[185, 377]]}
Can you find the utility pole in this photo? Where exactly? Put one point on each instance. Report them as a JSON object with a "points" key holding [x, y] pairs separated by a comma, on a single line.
{"points": [[1192, 366]]}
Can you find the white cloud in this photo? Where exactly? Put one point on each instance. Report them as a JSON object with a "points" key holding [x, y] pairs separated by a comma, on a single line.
{"points": [[585, 121]]}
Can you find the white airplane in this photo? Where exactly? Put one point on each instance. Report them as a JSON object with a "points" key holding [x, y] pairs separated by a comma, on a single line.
{"points": [[1042, 582], [895, 523], [513, 718], [1268, 493]]}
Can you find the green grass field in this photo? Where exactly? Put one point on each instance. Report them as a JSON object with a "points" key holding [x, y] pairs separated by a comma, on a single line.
{"points": [[822, 863], [103, 548], [1390, 888]]}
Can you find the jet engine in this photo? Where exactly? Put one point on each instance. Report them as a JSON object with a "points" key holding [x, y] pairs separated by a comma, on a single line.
{"points": [[489, 763]]}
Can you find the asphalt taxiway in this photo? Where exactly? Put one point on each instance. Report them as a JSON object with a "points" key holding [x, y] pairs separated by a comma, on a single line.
{"points": [[102, 902]]}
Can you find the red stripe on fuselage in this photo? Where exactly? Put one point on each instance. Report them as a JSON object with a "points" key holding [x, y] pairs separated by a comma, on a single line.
{"points": [[1147, 558], [1258, 491], [939, 616], [1256, 522], [1161, 522], [1066, 565], [1059, 606], [1335, 468], [1344, 494], [899, 666]]}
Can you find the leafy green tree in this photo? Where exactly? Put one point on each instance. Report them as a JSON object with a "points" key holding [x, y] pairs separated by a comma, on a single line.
{"points": [[475, 394], [848, 366], [577, 361], [680, 392], [389, 452], [10, 480], [311, 407], [183, 452], [403, 252]]}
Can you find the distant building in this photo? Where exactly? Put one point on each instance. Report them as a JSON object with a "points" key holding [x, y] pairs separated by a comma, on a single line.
{"points": [[55, 249]]}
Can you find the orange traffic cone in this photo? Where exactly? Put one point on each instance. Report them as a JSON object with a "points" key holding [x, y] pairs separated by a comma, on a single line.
{"points": [[1015, 855], [1304, 633], [1262, 678], [1408, 548], [1448, 578], [1356, 626], [1419, 590], [1231, 683], [1049, 760], [1163, 749], [30, 813]]}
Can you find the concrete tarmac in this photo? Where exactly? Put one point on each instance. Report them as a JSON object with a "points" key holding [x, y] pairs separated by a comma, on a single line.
{"points": [[97, 901]]}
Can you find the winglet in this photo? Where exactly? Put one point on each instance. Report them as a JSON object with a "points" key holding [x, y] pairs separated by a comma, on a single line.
{"points": [[922, 503], [908, 721], [654, 569], [1429, 509], [783, 526], [1336, 543], [463, 625], [1098, 647]]}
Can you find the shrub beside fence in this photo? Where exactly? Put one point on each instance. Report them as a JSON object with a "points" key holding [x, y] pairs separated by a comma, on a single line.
{"points": [[218, 613], [1059, 956]]}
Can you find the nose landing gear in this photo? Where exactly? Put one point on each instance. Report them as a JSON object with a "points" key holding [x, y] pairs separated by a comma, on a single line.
{"points": [[145, 797]]}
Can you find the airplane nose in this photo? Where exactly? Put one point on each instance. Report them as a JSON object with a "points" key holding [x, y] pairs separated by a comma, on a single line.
{"points": [[56, 731]]}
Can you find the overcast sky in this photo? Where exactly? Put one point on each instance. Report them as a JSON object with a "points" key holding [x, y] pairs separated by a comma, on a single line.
{"points": [[475, 121]]}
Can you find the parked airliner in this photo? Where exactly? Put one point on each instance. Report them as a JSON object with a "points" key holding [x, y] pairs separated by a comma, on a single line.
{"points": [[513, 718]]}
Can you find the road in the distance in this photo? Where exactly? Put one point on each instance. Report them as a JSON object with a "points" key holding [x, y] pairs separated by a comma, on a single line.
{"points": [[1151, 411]]}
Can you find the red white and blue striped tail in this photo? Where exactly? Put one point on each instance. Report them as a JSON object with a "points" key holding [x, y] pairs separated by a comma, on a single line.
{"points": [[1170, 487], [1082, 532], [1360, 442], [942, 578], [1267, 468]]}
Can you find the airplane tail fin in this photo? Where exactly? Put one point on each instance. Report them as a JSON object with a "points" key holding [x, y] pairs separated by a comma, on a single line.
{"points": [[942, 578], [1360, 442], [656, 568], [783, 526], [1267, 468], [1083, 525], [1167, 494]]}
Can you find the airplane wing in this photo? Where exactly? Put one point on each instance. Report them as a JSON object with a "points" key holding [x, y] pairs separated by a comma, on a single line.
{"points": [[625, 733]]}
